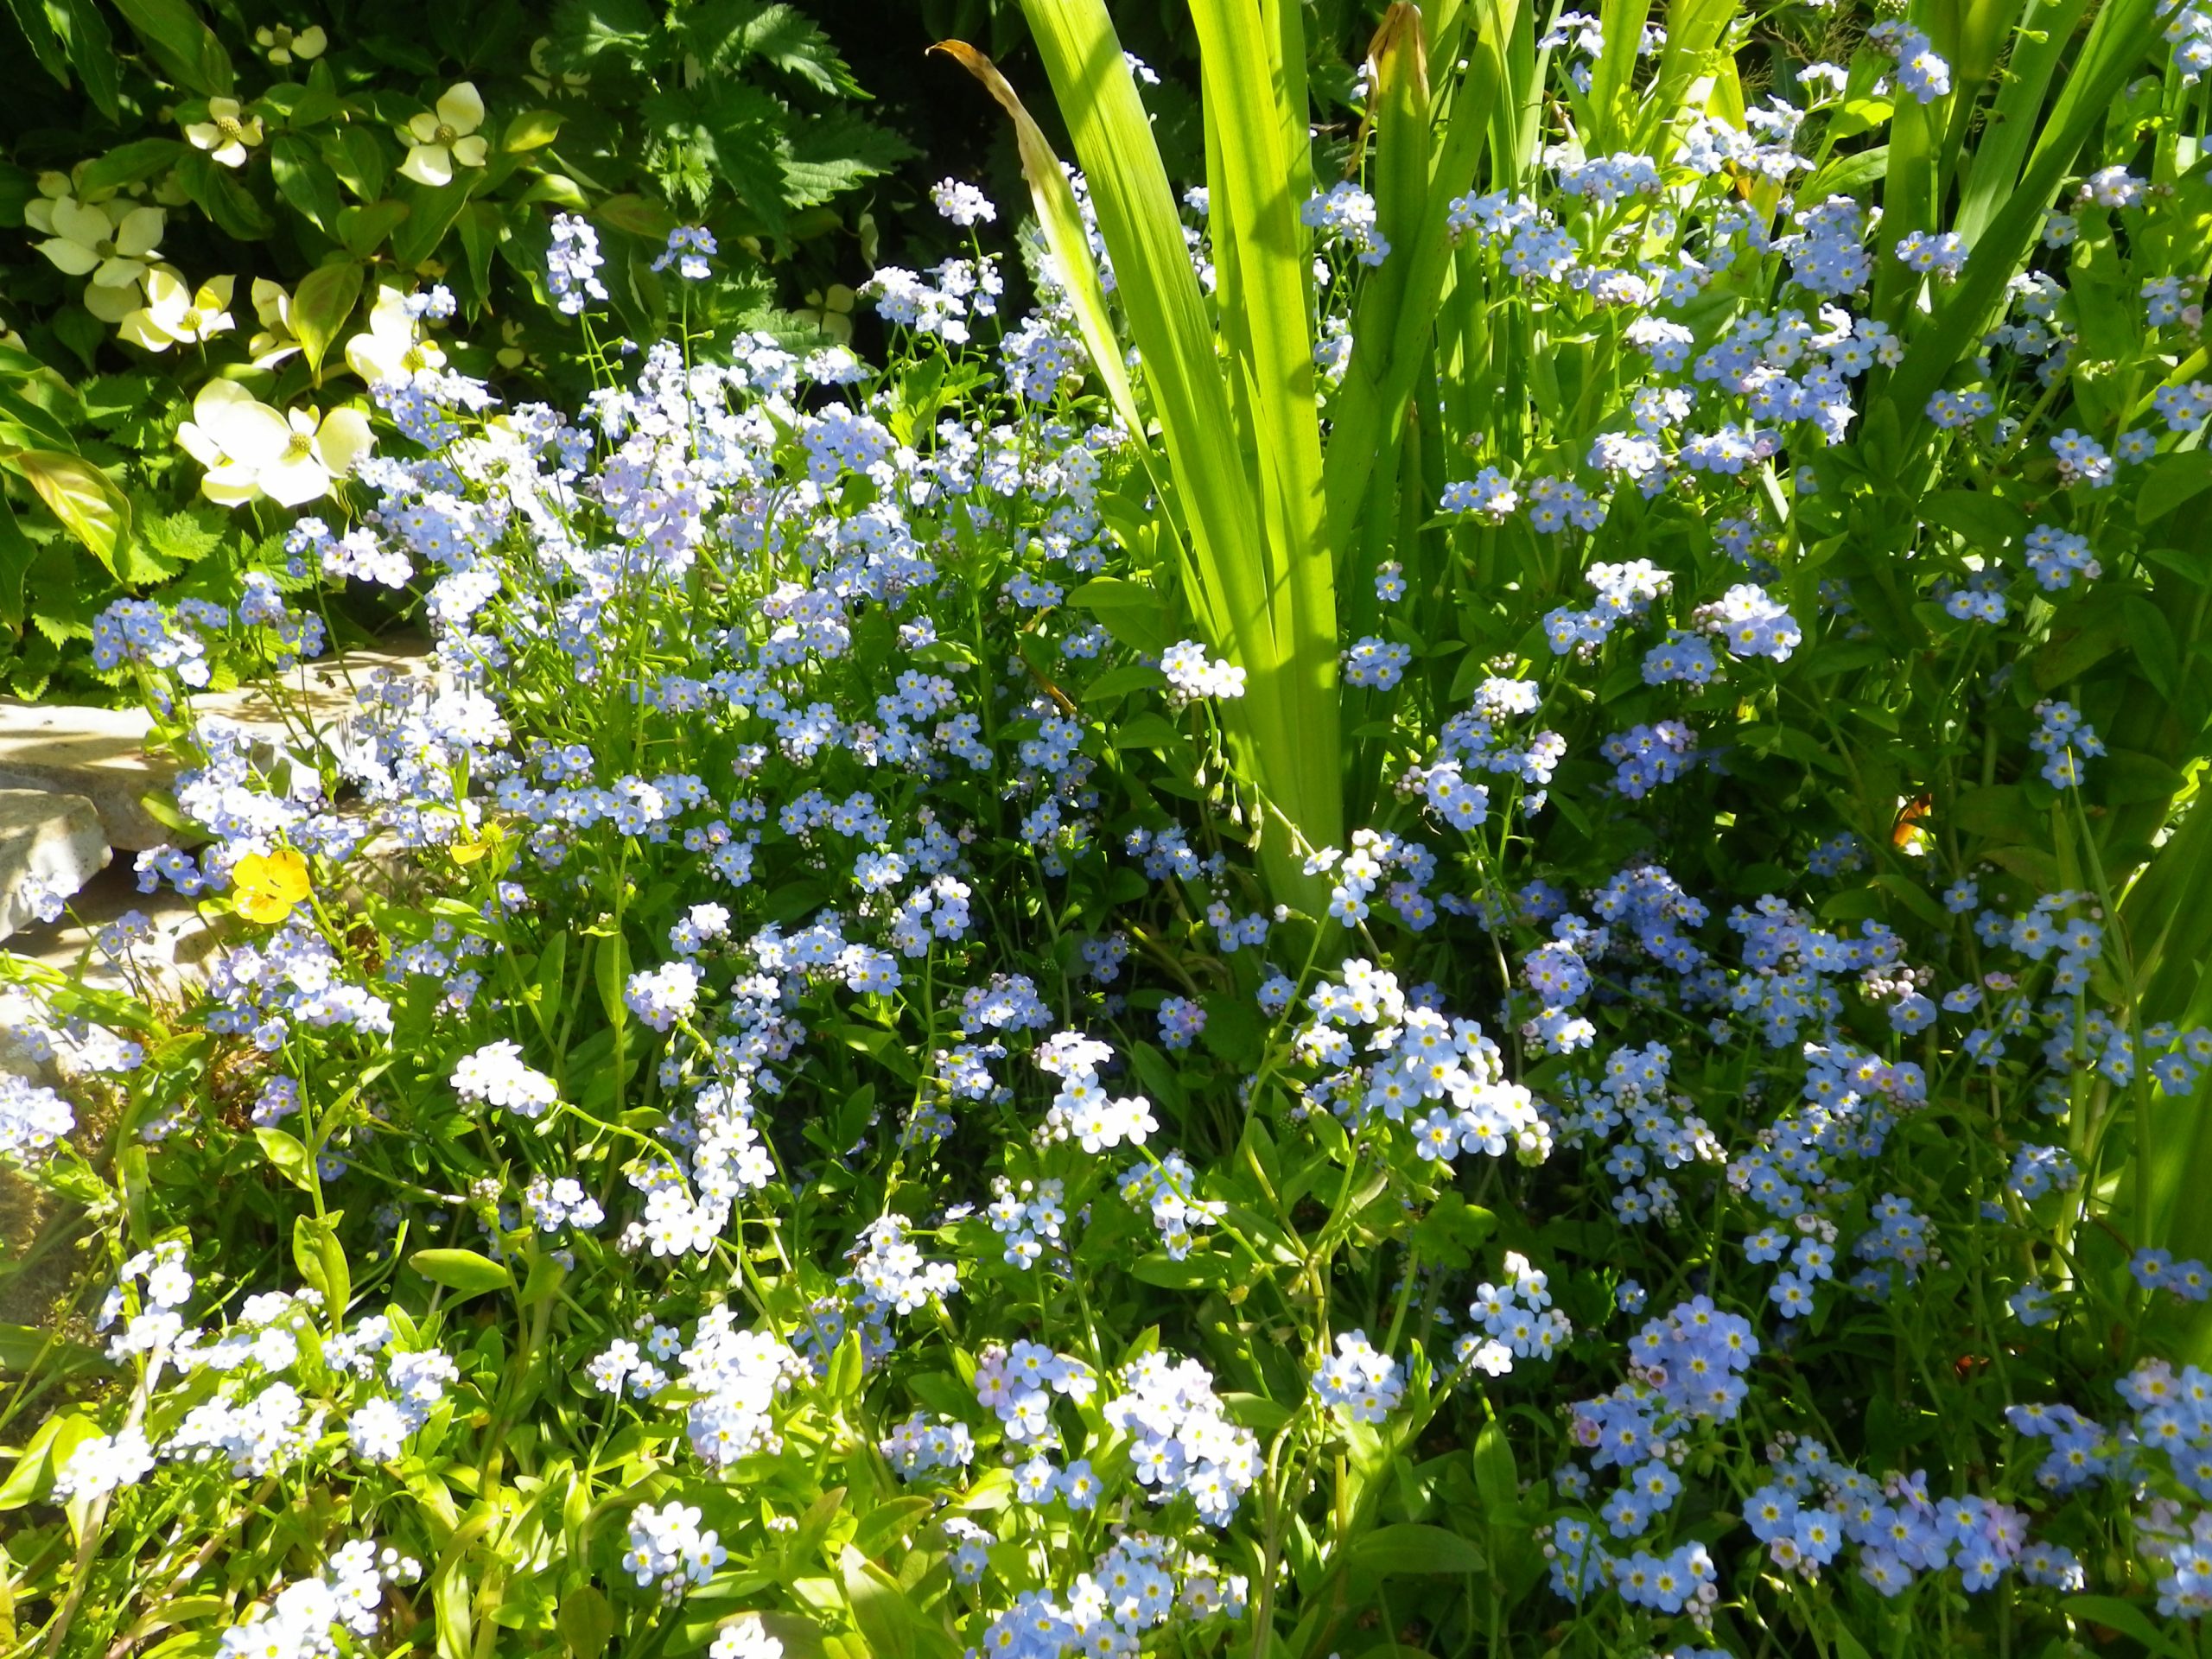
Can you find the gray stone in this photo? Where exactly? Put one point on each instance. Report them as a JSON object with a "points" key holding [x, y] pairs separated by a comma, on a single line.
{"points": [[110, 757], [53, 839], [168, 956], [97, 754]]}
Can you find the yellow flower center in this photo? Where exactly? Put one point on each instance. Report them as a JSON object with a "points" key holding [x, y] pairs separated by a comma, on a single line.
{"points": [[446, 135], [190, 321], [230, 127], [300, 447]]}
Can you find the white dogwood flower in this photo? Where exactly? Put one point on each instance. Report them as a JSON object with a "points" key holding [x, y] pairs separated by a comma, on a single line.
{"points": [[227, 133], [283, 45], [252, 451], [275, 341], [447, 137], [393, 348], [176, 314], [112, 244]]}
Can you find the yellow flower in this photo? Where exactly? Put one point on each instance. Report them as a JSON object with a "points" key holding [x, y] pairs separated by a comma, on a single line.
{"points": [[268, 885], [175, 314], [489, 840], [227, 133], [447, 137]]}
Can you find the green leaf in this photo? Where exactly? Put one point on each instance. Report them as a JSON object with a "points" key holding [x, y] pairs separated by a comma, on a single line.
{"points": [[887, 1524], [881, 1610], [1259, 577], [289, 1156], [585, 1623], [321, 306], [463, 1271], [224, 198], [85, 500], [322, 1261], [305, 180], [647, 220], [1417, 1550], [1131, 612], [186, 48], [430, 214], [725, 33], [2126, 1617], [2172, 480], [1984, 520], [1144, 730], [532, 130], [360, 161], [131, 163], [585, 30], [828, 154], [92, 52], [1494, 1476], [363, 229]]}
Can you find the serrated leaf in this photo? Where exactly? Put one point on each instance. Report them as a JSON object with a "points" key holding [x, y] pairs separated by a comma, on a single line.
{"points": [[827, 155]]}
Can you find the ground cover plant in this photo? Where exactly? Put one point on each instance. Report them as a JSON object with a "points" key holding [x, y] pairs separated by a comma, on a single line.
{"points": [[200, 197], [1459, 913]]}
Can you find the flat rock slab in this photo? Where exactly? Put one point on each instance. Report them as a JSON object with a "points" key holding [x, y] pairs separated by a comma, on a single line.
{"points": [[101, 754], [56, 840]]}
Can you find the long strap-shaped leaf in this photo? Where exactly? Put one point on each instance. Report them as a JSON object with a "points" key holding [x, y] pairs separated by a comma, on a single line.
{"points": [[1247, 492], [1264, 304], [2117, 41], [1396, 312]]}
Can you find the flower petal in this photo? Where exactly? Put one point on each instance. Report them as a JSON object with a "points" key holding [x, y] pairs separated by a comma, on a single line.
{"points": [[461, 108], [74, 258], [140, 233], [143, 329], [118, 272], [427, 164], [471, 150], [345, 437], [296, 479], [232, 486], [80, 224]]}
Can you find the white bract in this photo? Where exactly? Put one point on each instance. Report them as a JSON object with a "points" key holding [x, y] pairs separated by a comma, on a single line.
{"points": [[251, 449], [175, 314], [393, 347]]}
